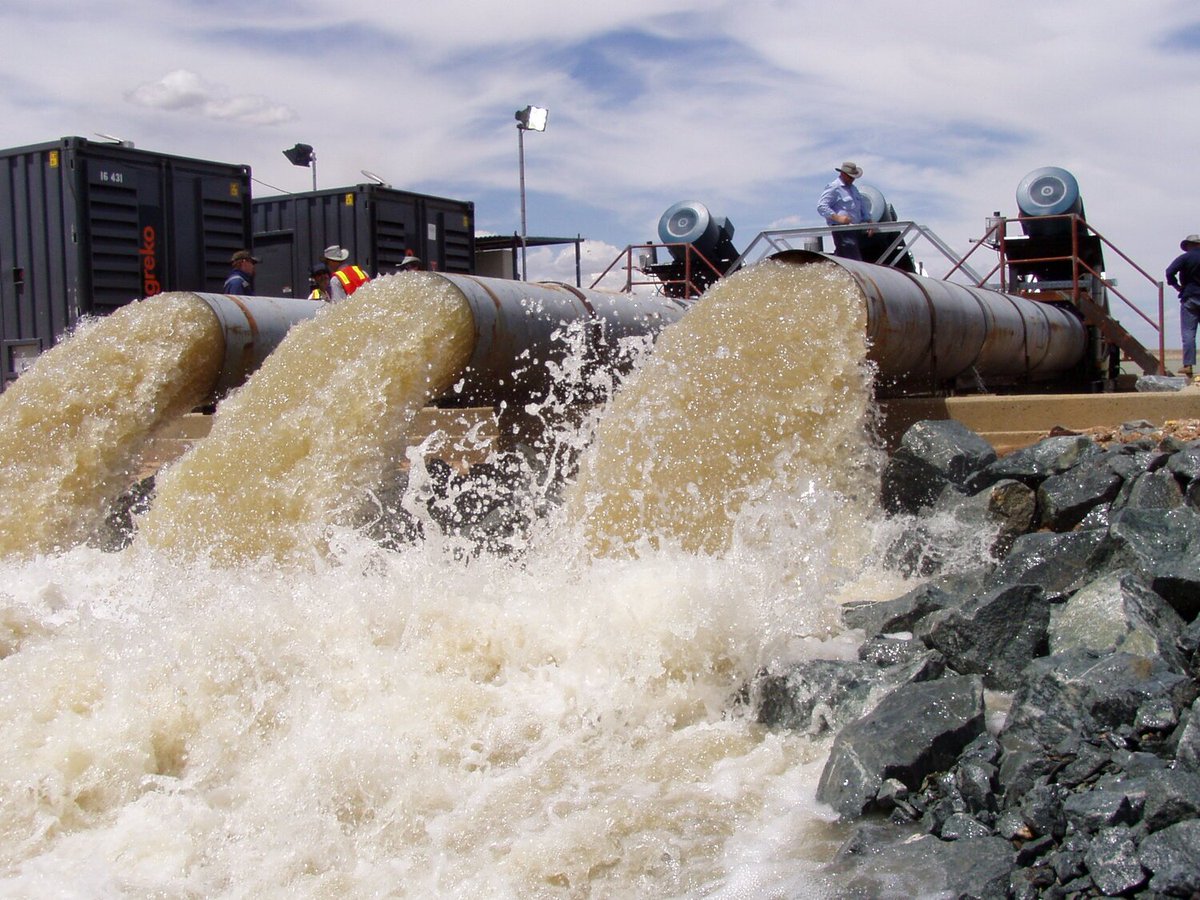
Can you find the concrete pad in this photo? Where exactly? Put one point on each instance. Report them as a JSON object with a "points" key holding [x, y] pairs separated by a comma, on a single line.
{"points": [[1018, 420]]}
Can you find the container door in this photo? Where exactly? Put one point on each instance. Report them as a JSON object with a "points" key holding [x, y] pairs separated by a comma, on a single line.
{"points": [[125, 233], [450, 235], [396, 231], [202, 262], [39, 261], [275, 275]]}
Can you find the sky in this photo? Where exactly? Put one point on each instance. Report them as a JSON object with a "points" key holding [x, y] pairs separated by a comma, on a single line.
{"points": [[746, 107]]}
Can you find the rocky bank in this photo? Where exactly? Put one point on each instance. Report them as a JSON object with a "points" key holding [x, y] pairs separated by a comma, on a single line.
{"points": [[1029, 728]]}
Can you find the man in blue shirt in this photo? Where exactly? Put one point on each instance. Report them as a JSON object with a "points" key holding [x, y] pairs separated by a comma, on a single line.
{"points": [[842, 204], [1184, 275], [241, 279]]}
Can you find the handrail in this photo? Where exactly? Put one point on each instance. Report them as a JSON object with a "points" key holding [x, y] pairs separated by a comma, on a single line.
{"points": [[627, 252], [975, 245], [688, 282], [784, 239], [995, 239], [1075, 223]]}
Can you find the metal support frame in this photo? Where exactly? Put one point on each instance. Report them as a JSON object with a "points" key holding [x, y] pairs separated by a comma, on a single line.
{"points": [[907, 234], [694, 262], [1087, 289]]}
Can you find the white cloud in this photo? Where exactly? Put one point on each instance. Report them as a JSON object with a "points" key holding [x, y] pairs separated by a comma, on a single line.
{"points": [[745, 106], [557, 263], [184, 90]]}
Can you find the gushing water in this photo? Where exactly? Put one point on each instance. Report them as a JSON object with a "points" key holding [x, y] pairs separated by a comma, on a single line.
{"points": [[296, 448], [72, 426], [763, 393], [365, 722]]}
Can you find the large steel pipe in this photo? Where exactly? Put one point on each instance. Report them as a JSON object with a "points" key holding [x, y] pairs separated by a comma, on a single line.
{"points": [[253, 328], [926, 332], [519, 330]]}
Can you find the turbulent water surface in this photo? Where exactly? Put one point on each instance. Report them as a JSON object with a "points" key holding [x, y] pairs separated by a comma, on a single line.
{"points": [[301, 712]]}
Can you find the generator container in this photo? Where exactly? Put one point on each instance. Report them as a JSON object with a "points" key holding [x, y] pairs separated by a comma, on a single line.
{"points": [[377, 224], [88, 227]]}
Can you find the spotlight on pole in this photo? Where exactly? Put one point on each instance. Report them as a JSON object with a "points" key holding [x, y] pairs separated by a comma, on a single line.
{"points": [[531, 118], [303, 155]]}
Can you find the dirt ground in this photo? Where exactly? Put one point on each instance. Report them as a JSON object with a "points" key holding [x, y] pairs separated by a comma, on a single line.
{"points": [[1183, 430]]}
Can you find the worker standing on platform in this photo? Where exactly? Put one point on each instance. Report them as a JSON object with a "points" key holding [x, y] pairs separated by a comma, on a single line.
{"points": [[1184, 275], [842, 204], [345, 277]]}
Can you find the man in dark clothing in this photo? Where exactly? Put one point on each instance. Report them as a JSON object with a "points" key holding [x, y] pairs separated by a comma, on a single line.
{"points": [[318, 283], [1184, 275], [241, 279]]}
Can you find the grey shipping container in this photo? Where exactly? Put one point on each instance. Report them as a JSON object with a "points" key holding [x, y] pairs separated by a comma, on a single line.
{"points": [[88, 227], [377, 224]]}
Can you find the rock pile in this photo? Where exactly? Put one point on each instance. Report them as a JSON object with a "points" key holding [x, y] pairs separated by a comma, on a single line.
{"points": [[1087, 625]]}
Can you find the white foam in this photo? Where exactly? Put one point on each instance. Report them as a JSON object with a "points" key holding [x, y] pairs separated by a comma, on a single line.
{"points": [[427, 722]]}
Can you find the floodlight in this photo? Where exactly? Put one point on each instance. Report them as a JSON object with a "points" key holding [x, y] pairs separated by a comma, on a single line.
{"points": [[300, 155], [532, 118], [303, 155]]}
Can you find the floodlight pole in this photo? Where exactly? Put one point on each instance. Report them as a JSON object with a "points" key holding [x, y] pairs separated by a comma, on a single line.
{"points": [[521, 161], [529, 118]]}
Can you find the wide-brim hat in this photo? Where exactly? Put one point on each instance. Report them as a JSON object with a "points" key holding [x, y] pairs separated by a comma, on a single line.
{"points": [[852, 169], [410, 260], [336, 253], [241, 255], [1190, 239]]}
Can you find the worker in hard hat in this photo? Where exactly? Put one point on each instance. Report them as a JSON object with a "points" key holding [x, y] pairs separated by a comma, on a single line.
{"points": [[345, 277], [318, 283]]}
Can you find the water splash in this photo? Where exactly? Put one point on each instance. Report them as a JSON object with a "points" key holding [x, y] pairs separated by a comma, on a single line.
{"points": [[423, 721], [298, 446], [760, 391], [391, 723], [71, 426]]}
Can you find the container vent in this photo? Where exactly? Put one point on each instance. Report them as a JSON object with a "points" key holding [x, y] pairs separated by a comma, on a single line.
{"points": [[113, 216]]}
